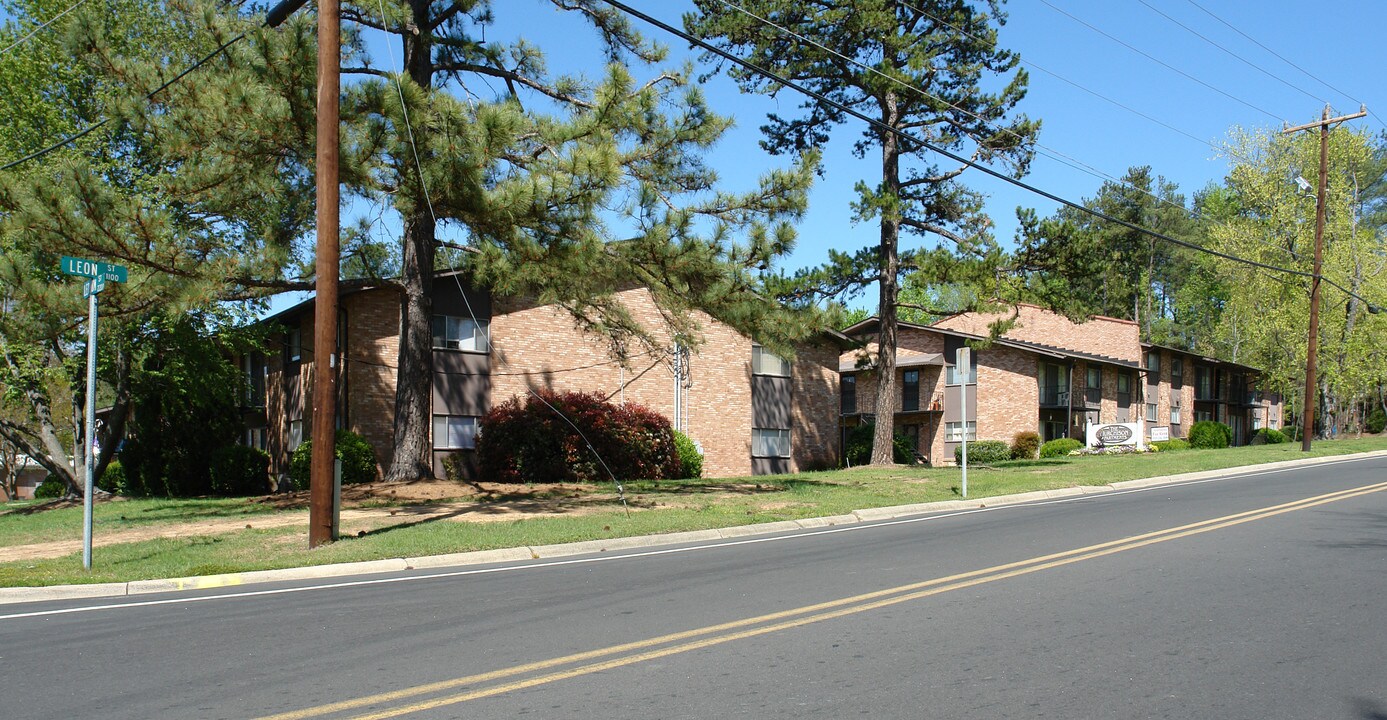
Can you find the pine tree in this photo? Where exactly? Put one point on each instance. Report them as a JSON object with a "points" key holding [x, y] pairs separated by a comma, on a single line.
{"points": [[921, 69]]}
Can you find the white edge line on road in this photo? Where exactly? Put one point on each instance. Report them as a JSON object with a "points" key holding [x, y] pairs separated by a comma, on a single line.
{"points": [[869, 525]]}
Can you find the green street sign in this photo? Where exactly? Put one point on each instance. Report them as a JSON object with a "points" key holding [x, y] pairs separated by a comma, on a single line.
{"points": [[92, 268], [93, 286], [114, 273]]}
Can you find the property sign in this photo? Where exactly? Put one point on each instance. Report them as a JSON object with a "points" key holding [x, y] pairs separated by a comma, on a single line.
{"points": [[1113, 434], [1159, 434]]}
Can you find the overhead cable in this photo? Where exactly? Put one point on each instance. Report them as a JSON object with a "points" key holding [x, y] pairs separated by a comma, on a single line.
{"points": [[883, 127]]}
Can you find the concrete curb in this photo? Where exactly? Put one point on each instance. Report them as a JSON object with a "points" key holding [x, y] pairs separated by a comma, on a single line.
{"points": [[480, 557]]}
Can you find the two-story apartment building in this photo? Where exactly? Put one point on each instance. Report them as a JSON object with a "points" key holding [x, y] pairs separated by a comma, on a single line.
{"points": [[750, 411], [1049, 375]]}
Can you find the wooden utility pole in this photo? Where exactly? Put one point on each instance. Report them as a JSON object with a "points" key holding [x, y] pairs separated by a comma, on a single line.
{"points": [[1311, 355], [325, 360]]}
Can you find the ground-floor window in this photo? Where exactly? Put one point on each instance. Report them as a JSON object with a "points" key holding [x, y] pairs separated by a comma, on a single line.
{"points": [[1150, 412], [295, 434], [454, 432], [1051, 430], [255, 437], [1175, 414], [770, 442], [953, 431]]}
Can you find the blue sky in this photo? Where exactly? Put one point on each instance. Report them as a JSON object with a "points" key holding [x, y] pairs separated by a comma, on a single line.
{"points": [[1337, 46]]}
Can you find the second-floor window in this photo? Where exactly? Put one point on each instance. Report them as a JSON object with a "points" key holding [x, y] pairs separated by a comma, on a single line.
{"points": [[847, 393], [910, 390], [293, 345], [1203, 383], [1177, 372], [1124, 390], [1153, 363], [1093, 387], [459, 333], [764, 362]]}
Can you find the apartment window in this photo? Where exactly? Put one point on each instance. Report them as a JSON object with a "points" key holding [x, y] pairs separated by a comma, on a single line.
{"points": [[454, 432], [295, 434], [1175, 412], [293, 345], [255, 437], [1203, 415], [970, 377], [1124, 390], [910, 390], [953, 431], [764, 362], [1093, 391], [254, 368], [847, 394], [1153, 363], [770, 442], [459, 333], [1256, 419], [1177, 372], [1150, 412], [1203, 383]]}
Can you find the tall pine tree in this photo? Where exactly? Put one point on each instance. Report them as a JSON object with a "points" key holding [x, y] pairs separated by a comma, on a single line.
{"points": [[920, 68]]}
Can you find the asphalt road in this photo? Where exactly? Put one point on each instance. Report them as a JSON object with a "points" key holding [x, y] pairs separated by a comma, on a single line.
{"points": [[1256, 596]]}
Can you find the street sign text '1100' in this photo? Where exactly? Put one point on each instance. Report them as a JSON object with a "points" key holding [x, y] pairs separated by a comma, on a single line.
{"points": [[91, 269]]}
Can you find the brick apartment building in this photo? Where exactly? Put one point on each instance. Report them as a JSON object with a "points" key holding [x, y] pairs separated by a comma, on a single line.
{"points": [[1048, 375], [748, 410]]}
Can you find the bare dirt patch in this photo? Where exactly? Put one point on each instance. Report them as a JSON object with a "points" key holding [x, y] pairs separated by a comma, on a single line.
{"points": [[365, 507]]}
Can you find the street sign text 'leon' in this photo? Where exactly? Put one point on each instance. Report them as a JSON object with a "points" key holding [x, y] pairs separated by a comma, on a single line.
{"points": [[92, 268]]}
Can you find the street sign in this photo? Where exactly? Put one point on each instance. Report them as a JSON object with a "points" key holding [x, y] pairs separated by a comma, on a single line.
{"points": [[93, 286], [92, 268]]}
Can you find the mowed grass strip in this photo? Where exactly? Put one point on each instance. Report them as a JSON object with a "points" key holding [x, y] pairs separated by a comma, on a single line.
{"points": [[655, 507]]}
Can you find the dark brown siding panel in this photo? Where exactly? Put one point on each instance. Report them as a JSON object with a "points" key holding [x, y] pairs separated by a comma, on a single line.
{"points": [[770, 401], [461, 383], [447, 300], [770, 466]]}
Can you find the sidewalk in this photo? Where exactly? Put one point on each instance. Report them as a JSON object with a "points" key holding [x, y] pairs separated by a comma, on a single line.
{"points": [[142, 587]]}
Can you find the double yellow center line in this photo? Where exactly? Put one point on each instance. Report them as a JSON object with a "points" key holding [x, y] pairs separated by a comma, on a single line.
{"points": [[593, 661]]}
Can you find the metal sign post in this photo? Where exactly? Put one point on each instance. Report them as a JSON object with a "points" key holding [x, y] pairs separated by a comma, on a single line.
{"points": [[97, 273], [963, 366]]}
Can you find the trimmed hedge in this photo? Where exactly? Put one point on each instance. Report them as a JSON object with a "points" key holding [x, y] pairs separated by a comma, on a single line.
{"points": [[857, 449], [357, 456], [239, 470], [1210, 434], [1059, 447], [1377, 421], [113, 480], [1169, 445], [1269, 436], [1025, 446], [690, 459], [535, 441], [984, 451]]}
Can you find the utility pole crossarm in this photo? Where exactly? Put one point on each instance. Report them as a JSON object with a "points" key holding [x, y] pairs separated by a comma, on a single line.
{"points": [[1362, 112]]}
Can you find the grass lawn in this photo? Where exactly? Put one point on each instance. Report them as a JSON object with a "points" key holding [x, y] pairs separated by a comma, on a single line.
{"points": [[655, 507]]}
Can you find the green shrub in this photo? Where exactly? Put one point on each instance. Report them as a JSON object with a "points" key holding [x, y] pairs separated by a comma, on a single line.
{"points": [[1377, 421], [113, 479], [1268, 436], [1169, 445], [1025, 445], [358, 460], [239, 470], [984, 451], [857, 450], [50, 488], [1210, 434], [690, 459], [1059, 447], [539, 440]]}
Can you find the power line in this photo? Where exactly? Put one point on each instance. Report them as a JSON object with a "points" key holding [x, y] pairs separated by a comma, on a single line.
{"points": [[1244, 60], [699, 42], [1160, 62], [1283, 59], [36, 30], [1077, 85], [1052, 152]]}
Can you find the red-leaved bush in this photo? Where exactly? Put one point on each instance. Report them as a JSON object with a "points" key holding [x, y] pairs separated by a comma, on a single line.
{"points": [[532, 442]]}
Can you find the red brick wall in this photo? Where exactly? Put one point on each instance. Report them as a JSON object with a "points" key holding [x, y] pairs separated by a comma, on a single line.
{"points": [[1105, 336]]}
